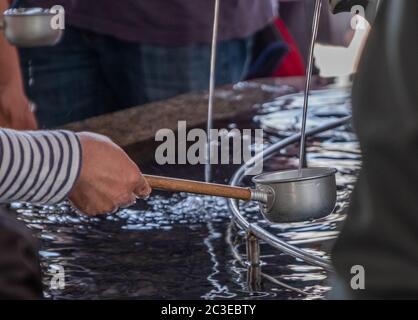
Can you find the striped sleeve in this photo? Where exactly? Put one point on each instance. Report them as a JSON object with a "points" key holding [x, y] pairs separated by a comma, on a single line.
{"points": [[38, 167]]}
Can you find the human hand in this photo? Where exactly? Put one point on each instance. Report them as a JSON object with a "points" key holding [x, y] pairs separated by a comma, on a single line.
{"points": [[108, 179], [16, 112]]}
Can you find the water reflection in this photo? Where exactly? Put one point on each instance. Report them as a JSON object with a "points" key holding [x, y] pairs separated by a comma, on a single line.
{"points": [[178, 246]]}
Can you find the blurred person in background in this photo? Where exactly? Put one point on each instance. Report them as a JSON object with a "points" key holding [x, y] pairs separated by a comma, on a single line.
{"points": [[121, 54]]}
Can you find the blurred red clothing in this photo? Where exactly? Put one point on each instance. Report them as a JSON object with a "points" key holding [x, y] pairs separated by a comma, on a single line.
{"points": [[292, 64]]}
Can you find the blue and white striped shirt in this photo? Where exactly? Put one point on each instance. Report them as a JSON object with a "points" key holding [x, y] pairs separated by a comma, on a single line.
{"points": [[38, 167]]}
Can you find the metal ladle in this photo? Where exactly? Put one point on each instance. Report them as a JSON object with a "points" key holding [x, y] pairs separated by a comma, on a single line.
{"points": [[284, 196], [30, 27]]}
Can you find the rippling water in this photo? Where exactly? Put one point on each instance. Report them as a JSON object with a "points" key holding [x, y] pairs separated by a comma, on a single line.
{"points": [[179, 246]]}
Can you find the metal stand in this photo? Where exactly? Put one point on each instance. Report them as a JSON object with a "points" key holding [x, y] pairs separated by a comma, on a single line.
{"points": [[253, 260], [255, 233]]}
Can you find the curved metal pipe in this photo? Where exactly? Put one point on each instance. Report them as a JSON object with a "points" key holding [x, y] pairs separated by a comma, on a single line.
{"points": [[258, 231]]}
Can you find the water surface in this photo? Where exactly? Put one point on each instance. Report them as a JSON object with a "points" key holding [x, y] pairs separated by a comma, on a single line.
{"points": [[177, 246]]}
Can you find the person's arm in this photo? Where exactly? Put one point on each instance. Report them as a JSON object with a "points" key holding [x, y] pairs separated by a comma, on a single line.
{"points": [[46, 167], [38, 166], [15, 108]]}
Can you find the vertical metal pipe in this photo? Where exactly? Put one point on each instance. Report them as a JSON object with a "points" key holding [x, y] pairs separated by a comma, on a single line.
{"points": [[212, 82], [253, 250], [253, 260], [315, 25]]}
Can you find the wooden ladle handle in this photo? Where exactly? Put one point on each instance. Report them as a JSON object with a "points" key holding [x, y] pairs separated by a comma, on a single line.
{"points": [[196, 187]]}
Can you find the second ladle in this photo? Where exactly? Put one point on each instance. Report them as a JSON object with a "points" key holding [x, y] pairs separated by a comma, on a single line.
{"points": [[284, 196], [30, 27]]}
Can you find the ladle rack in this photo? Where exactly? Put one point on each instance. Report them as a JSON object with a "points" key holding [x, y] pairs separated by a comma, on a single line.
{"points": [[255, 233]]}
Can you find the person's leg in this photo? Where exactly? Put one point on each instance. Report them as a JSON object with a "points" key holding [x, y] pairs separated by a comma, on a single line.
{"points": [[121, 65], [151, 72], [139, 73], [234, 58], [20, 272], [65, 81]]}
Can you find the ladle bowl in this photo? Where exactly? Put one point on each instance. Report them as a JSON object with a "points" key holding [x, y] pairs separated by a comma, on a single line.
{"points": [[283, 196], [294, 197], [30, 27]]}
